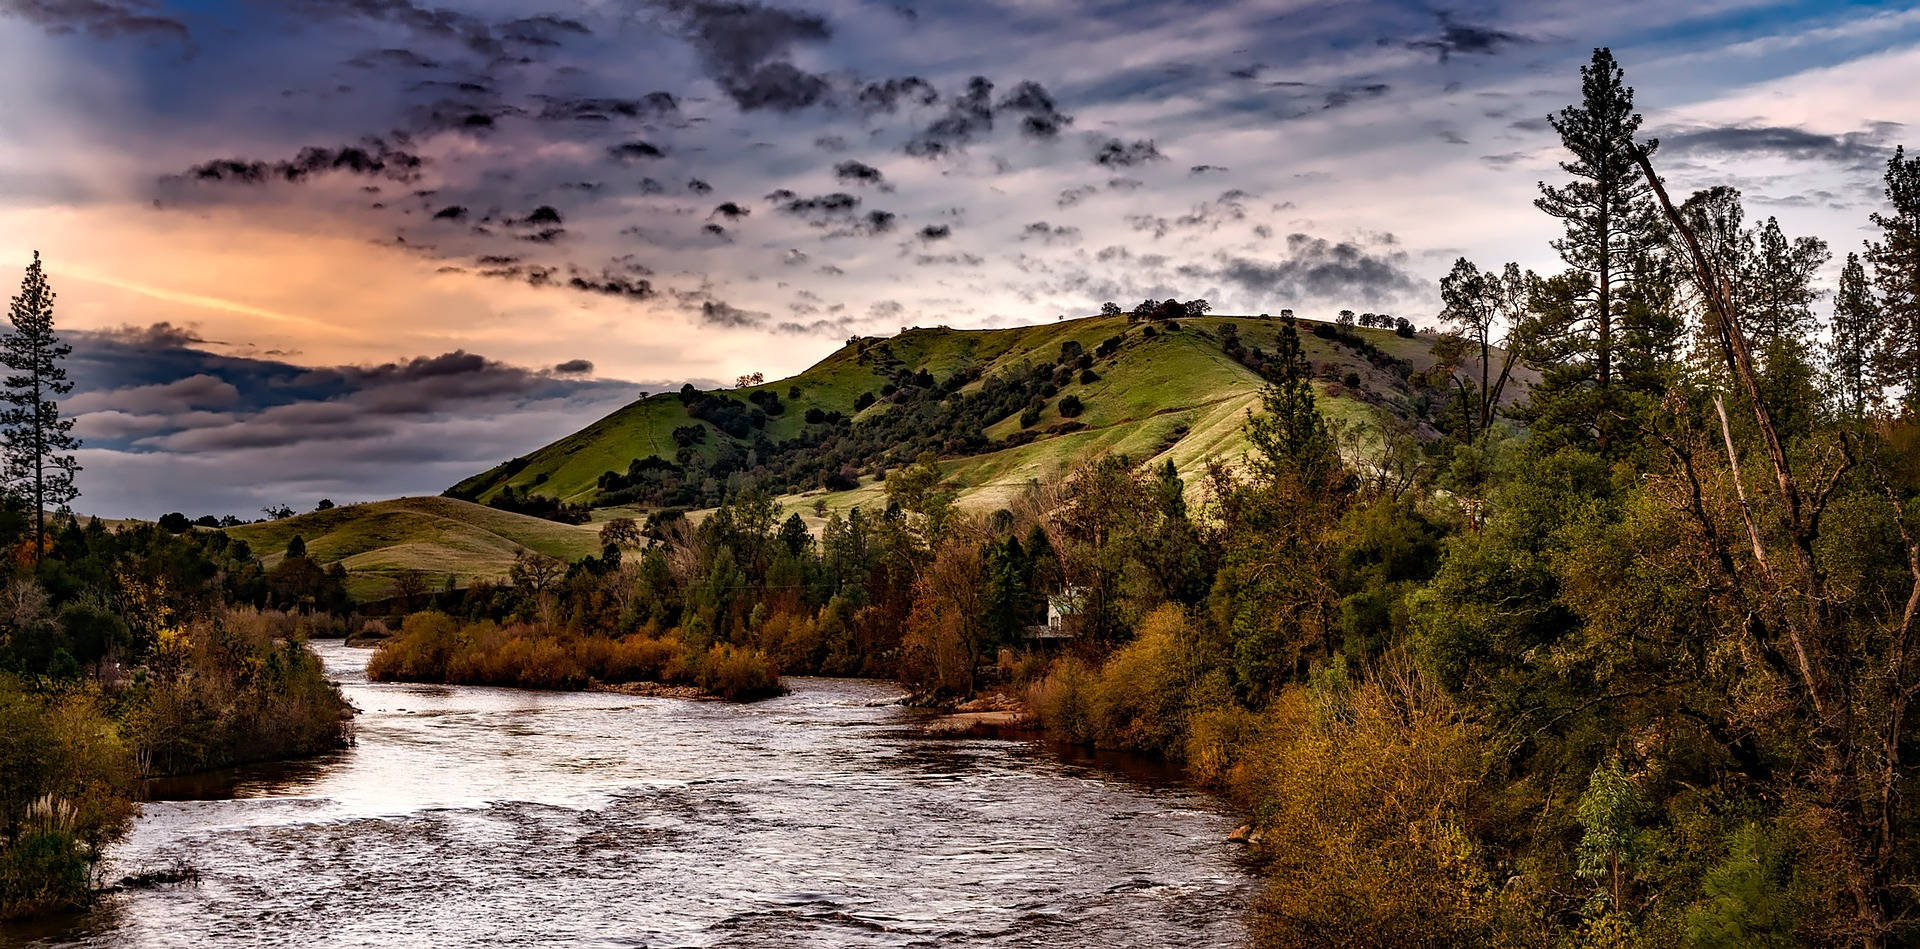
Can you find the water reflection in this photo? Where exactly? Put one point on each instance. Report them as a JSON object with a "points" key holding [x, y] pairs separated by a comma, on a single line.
{"points": [[506, 817]]}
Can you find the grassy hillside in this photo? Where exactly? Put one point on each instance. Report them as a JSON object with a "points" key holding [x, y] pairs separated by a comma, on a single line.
{"points": [[439, 536], [1153, 394], [1174, 392]]}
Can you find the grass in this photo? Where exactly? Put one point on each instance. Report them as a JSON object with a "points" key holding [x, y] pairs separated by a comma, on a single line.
{"points": [[439, 536], [1171, 396]]}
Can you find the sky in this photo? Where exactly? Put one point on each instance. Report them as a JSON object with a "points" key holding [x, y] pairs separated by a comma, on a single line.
{"points": [[360, 248]]}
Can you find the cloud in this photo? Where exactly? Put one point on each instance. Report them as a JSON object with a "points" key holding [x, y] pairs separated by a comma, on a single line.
{"points": [[1458, 38], [744, 46], [1069, 197], [635, 151], [858, 172], [969, 115], [719, 313], [1862, 149], [1040, 118], [935, 232], [1114, 153], [888, 95], [1314, 267], [105, 19], [372, 158], [1050, 233], [574, 367]]}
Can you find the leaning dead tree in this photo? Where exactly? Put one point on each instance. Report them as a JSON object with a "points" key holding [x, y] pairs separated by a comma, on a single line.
{"points": [[1850, 673]]}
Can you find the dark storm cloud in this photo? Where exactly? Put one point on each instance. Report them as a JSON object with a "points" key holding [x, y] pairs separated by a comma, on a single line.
{"points": [[452, 212], [1040, 116], [744, 47], [392, 59], [1316, 267], [888, 95], [1865, 148], [1465, 38], [373, 158], [1114, 153], [1198, 170], [436, 22], [935, 232], [574, 367], [652, 106], [543, 30], [720, 313], [730, 211], [858, 172], [1050, 233], [635, 151], [100, 18], [816, 210], [969, 116]]}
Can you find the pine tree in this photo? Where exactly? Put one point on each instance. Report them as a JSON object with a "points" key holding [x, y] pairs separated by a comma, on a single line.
{"points": [[1606, 210], [1856, 332], [1896, 274], [1780, 292], [1290, 439], [38, 442]]}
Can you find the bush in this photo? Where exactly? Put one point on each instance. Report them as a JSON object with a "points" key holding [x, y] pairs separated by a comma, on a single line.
{"points": [[738, 674], [66, 792], [433, 647], [1070, 406]]}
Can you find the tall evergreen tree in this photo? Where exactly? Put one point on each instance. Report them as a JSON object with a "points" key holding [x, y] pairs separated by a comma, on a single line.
{"points": [[1896, 274], [1606, 210], [1780, 291], [38, 442], [1856, 334], [1290, 439]]}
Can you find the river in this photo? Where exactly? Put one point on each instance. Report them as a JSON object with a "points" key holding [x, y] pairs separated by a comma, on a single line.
{"points": [[499, 817]]}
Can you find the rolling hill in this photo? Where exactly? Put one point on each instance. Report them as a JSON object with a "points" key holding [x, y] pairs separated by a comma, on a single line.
{"points": [[998, 405], [438, 536]]}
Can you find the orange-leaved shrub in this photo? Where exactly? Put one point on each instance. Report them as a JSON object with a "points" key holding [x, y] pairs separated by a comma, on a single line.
{"points": [[434, 647]]}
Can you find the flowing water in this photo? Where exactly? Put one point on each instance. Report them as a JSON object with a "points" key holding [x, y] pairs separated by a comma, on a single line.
{"points": [[499, 817]]}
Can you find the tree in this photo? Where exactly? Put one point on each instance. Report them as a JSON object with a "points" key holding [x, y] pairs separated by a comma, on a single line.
{"points": [[750, 379], [1605, 209], [326, 504], [1780, 292], [296, 548], [1856, 333], [38, 442], [1896, 274], [622, 532], [1110, 308], [1475, 302], [277, 512], [1289, 436]]}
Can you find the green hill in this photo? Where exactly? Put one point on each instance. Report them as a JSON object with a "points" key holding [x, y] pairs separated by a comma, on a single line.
{"points": [[438, 536], [994, 404], [1179, 394]]}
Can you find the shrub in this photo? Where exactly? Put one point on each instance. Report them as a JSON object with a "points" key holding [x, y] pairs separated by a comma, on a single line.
{"points": [[738, 674], [66, 794], [1070, 406]]}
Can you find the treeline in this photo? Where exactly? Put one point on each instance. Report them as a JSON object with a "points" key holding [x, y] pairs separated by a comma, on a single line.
{"points": [[1628, 663], [127, 654]]}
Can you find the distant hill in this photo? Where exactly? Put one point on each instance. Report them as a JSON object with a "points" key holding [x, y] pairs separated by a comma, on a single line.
{"points": [[439, 536], [994, 404], [1153, 394]]}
